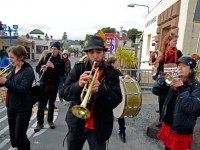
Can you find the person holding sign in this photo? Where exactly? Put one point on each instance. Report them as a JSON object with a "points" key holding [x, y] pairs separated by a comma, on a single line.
{"points": [[167, 58]]}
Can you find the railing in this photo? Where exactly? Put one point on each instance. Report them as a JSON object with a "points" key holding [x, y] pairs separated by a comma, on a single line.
{"points": [[143, 78]]}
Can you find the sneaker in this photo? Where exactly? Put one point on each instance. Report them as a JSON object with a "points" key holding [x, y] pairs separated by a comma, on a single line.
{"points": [[122, 137], [38, 127], [55, 107], [46, 108], [65, 103], [51, 125]]}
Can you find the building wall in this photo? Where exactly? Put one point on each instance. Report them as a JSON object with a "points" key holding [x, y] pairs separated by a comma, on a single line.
{"points": [[190, 39], [181, 22], [39, 43], [128, 43]]}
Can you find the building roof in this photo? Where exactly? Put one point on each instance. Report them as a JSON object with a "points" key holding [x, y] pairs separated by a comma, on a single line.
{"points": [[69, 43], [123, 38], [36, 31]]}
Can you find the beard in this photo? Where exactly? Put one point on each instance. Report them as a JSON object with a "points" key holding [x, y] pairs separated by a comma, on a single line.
{"points": [[98, 63]]}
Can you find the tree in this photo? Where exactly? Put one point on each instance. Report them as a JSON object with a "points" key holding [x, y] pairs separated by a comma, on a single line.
{"points": [[81, 43], [128, 58], [64, 37], [87, 37], [109, 30], [132, 34], [138, 35]]}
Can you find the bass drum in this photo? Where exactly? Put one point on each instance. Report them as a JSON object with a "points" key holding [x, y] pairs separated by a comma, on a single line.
{"points": [[131, 99]]}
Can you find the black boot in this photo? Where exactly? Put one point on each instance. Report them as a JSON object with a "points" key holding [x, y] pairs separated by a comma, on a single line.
{"points": [[122, 137]]}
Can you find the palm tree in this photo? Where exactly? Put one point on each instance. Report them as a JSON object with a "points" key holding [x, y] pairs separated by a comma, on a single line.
{"points": [[130, 59], [120, 55], [126, 57]]}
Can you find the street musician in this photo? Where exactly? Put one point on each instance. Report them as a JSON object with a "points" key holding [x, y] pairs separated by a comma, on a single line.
{"points": [[96, 125]]}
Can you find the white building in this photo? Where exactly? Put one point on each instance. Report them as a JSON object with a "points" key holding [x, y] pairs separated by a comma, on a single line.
{"points": [[175, 15]]}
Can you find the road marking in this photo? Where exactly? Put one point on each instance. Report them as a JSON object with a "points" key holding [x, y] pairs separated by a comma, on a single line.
{"points": [[2, 144], [2, 109], [2, 119], [4, 130], [29, 132], [44, 128]]}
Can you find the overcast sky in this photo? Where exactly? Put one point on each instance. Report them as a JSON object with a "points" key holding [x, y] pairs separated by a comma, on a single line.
{"points": [[75, 17]]}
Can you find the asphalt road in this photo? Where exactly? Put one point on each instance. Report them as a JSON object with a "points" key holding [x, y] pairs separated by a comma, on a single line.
{"points": [[52, 139]]}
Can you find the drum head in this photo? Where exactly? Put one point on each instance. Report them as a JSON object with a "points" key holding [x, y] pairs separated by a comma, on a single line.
{"points": [[118, 111]]}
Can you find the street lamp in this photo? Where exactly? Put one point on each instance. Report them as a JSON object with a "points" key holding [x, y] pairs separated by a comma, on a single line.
{"points": [[133, 5], [140, 54], [9, 30]]}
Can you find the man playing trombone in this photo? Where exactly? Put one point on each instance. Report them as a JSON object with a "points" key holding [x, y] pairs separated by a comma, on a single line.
{"points": [[91, 119], [51, 68]]}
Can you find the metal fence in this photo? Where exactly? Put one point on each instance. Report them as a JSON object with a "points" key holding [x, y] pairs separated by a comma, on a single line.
{"points": [[143, 78]]}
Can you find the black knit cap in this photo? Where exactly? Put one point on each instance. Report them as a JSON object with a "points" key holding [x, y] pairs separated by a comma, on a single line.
{"points": [[95, 42], [56, 44], [188, 61]]}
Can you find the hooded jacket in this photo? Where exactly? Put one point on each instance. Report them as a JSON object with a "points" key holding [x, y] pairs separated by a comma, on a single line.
{"points": [[19, 85], [106, 99], [186, 105]]}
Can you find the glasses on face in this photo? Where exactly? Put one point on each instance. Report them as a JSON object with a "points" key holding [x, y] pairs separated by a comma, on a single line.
{"points": [[64, 54]]}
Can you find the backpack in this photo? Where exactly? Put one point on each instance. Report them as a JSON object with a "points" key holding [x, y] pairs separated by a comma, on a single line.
{"points": [[37, 92]]}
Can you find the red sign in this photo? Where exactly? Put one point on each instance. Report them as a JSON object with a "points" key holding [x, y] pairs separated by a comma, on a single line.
{"points": [[112, 43]]}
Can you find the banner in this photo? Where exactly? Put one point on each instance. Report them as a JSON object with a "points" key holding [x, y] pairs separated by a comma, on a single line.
{"points": [[112, 43]]}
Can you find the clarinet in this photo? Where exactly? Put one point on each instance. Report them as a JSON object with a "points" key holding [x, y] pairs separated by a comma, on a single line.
{"points": [[45, 69]]}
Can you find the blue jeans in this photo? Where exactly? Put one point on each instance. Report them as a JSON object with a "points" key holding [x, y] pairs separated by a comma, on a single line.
{"points": [[62, 81]]}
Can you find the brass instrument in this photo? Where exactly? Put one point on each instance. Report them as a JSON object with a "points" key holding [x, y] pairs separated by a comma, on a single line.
{"points": [[6, 71], [81, 111], [169, 78]]}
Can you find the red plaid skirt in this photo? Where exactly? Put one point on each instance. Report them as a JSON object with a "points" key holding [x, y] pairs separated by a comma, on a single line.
{"points": [[174, 140]]}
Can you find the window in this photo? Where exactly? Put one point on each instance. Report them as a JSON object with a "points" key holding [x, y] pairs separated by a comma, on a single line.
{"points": [[40, 49]]}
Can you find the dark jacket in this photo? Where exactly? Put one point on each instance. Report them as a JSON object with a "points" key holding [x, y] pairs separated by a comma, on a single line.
{"points": [[67, 67], [51, 75], [107, 98], [186, 104], [19, 88]]}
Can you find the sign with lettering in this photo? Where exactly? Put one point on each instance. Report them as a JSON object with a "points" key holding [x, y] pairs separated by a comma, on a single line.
{"points": [[150, 22]]}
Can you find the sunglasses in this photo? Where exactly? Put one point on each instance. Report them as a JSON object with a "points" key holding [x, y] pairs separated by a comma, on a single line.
{"points": [[65, 54]]}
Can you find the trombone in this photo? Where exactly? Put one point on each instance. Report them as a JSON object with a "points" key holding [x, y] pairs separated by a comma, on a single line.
{"points": [[81, 111]]}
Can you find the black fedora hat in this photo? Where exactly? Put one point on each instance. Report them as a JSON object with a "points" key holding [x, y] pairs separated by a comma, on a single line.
{"points": [[95, 42]]}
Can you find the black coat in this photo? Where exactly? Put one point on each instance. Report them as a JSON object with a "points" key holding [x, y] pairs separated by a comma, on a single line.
{"points": [[186, 105], [107, 98], [19, 88], [52, 75]]}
